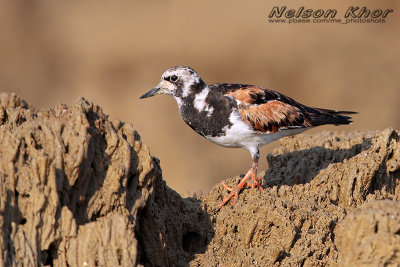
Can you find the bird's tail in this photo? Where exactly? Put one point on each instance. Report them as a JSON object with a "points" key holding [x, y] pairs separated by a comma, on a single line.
{"points": [[320, 116]]}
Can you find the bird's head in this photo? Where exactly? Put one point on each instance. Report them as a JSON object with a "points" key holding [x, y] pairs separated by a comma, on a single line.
{"points": [[179, 81]]}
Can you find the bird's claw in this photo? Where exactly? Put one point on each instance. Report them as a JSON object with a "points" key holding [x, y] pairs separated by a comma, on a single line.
{"points": [[254, 183], [233, 192]]}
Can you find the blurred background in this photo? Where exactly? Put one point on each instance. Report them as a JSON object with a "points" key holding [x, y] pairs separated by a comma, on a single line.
{"points": [[111, 52]]}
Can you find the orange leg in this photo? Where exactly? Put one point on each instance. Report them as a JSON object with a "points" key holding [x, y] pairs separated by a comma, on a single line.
{"points": [[254, 181], [243, 183]]}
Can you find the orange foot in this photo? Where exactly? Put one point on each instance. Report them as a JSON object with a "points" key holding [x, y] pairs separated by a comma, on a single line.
{"points": [[243, 183], [254, 182]]}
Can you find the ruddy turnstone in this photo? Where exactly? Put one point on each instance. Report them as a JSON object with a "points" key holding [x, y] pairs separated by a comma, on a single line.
{"points": [[240, 115]]}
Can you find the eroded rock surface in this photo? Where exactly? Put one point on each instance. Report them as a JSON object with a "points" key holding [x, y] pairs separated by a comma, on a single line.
{"points": [[370, 235], [78, 189], [314, 182]]}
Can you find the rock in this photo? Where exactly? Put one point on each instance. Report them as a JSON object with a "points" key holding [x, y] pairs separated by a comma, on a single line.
{"points": [[370, 235], [79, 189], [313, 182]]}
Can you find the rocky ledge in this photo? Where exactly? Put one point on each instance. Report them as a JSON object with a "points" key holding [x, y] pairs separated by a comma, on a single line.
{"points": [[79, 189]]}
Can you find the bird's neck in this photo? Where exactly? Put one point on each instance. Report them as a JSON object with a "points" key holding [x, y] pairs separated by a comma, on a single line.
{"points": [[189, 91], [199, 111]]}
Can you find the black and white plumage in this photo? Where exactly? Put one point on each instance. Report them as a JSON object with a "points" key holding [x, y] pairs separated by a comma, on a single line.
{"points": [[238, 115]]}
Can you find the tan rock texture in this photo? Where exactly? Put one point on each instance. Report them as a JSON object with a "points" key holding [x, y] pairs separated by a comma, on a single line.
{"points": [[315, 184], [79, 189], [370, 236]]}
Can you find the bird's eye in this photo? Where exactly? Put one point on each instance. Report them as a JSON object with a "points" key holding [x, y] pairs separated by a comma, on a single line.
{"points": [[174, 78]]}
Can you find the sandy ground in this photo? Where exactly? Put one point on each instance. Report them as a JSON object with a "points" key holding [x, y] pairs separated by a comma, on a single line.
{"points": [[79, 189]]}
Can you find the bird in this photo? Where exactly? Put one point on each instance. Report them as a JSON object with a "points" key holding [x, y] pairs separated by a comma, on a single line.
{"points": [[240, 116]]}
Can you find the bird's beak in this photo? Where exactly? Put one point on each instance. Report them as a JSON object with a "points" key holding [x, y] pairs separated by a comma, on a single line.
{"points": [[155, 91]]}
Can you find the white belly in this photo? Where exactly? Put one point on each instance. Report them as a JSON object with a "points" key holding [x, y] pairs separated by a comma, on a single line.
{"points": [[241, 134]]}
